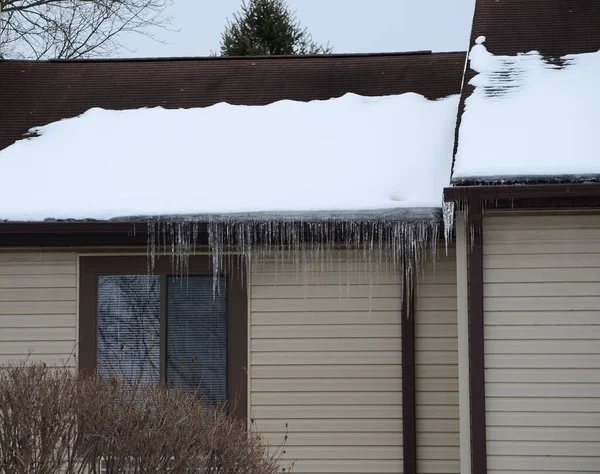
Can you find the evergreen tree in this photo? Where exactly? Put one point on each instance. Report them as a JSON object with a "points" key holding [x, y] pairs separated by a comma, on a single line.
{"points": [[267, 27]]}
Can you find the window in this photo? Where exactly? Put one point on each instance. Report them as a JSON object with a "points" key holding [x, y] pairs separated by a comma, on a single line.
{"points": [[164, 328]]}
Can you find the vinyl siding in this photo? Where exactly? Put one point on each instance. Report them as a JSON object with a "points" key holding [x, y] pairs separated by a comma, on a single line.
{"points": [[436, 357], [326, 366], [542, 343], [38, 306]]}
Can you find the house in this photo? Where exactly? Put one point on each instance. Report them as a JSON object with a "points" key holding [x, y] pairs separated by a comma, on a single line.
{"points": [[331, 309]]}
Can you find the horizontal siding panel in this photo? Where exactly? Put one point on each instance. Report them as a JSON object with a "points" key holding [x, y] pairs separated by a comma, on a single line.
{"points": [[348, 466], [386, 384], [334, 439], [540, 248], [439, 426], [557, 234], [314, 269], [28, 268], [359, 344], [426, 344], [431, 371], [312, 318], [332, 304], [325, 358], [436, 330], [537, 448], [437, 439], [541, 275], [544, 433], [37, 320], [386, 412], [325, 371], [580, 390], [510, 290], [25, 335], [441, 453], [544, 221], [428, 466], [549, 419], [438, 398], [545, 463], [326, 398], [443, 412], [38, 281], [542, 361], [282, 279], [329, 425], [543, 261], [536, 333], [540, 318], [436, 304], [38, 307], [325, 291], [435, 318], [544, 404], [542, 347], [543, 375], [67, 360], [38, 294], [436, 291], [24, 348], [327, 331], [439, 357], [362, 453], [557, 303]]}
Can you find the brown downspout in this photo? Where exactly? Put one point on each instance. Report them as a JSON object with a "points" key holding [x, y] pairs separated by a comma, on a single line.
{"points": [[409, 421], [476, 336]]}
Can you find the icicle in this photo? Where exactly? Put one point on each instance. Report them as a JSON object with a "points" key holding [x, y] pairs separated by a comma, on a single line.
{"points": [[370, 246], [448, 213]]}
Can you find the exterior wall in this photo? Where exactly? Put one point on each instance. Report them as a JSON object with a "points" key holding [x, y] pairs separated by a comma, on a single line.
{"points": [[326, 362], [38, 306], [542, 342], [438, 438]]}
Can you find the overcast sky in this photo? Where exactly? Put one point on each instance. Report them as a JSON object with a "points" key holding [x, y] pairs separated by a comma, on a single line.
{"points": [[350, 26]]}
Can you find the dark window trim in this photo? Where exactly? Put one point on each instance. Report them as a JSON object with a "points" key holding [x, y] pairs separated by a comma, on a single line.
{"points": [[409, 420], [237, 352]]}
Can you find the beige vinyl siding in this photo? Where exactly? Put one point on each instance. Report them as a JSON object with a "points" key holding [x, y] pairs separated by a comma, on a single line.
{"points": [[326, 365], [542, 342], [38, 306], [436, 357]]}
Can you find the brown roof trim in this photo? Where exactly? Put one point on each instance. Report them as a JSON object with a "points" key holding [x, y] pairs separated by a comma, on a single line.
{"points": [[523, 192], [251, 58]]}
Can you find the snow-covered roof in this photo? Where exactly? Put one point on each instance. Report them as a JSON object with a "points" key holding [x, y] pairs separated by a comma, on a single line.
{"points": [[530, 118], [341, 155]]}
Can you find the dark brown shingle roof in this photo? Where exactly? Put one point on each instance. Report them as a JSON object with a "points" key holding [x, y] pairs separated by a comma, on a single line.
{"points": [[552, 27], [34, 93]]}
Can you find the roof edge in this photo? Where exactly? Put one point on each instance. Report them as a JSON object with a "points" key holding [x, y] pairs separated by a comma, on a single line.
{"points": [[522, 192], [239, 58]]}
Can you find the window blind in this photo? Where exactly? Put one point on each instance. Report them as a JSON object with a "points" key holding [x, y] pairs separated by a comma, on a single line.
{"points": [[129, 327], [197, 336]]}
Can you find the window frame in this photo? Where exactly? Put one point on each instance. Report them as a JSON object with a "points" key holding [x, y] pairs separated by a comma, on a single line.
{"points": [[90, 268]]}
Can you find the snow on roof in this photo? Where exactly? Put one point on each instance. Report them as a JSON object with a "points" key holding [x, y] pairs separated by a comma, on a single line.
{"points": [[530, 117], [347, 154]]}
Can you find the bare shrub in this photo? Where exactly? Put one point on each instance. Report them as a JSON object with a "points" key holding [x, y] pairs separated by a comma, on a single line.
{"points": [[53, 421]]}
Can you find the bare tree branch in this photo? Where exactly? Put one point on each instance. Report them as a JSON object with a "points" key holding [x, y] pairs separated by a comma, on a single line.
{"points": [[54, 29]]}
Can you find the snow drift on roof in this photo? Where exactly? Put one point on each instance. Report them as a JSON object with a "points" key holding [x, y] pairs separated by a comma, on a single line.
{"points": [[345, 154], [530, 117]]}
